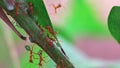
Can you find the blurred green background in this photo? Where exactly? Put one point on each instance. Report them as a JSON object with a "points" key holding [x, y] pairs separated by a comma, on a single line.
{"points": [[77, 22]]}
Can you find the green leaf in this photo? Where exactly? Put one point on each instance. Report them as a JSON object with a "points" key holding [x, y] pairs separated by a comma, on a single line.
{"points": [[40, 15], [114, 22]]}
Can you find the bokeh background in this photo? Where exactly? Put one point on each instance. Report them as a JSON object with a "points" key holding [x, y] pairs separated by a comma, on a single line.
{"points": [[82, 30]]}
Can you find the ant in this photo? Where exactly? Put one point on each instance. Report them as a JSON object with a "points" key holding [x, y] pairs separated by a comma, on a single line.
{"points": [[56, 7], [40, 58], [30, 8], [31, 53], [49, 41], [50, 30], [17, 8]]}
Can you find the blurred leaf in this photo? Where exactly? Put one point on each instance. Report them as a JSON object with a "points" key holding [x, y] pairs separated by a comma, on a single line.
{"points": [[114, 22], [82, 20]]}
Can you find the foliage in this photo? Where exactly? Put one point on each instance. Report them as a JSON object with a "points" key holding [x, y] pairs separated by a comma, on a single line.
{"points": [[114, 22]]}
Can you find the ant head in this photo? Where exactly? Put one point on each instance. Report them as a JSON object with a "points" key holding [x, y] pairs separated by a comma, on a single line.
{"points": [[27, 47]]}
